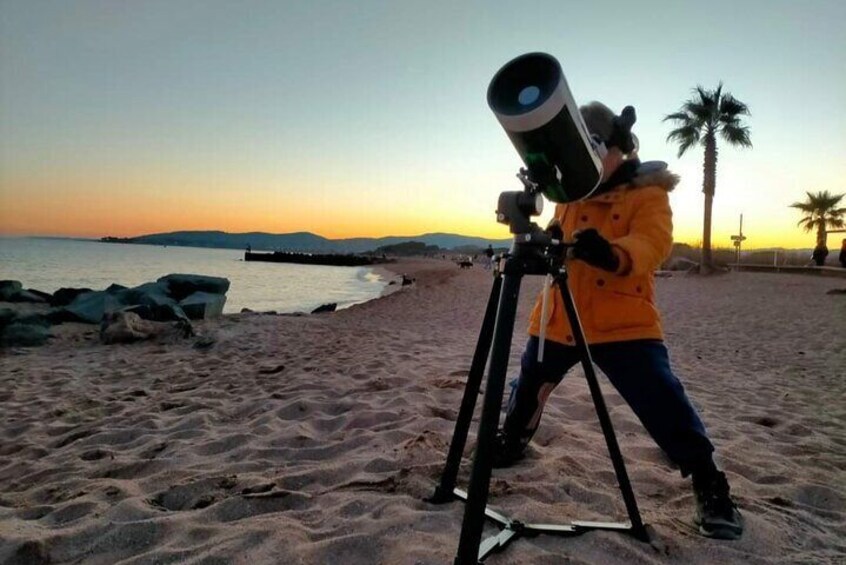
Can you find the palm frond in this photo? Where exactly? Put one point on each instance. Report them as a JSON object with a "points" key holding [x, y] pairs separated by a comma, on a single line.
{"points": [[684, 133], [803, 206], [684, 146], [707, 97], [681, 117], [807, 223], [731, 107], [702, 113], [736, 135]]}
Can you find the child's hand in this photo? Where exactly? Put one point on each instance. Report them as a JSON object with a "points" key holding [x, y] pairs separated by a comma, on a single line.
{"points": [[595, 250]]}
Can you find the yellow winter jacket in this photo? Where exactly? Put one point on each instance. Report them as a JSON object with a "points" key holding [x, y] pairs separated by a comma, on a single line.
{"points": [[636, 218]]}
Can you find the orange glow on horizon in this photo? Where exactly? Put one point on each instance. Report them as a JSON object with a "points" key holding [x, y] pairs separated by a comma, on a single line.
{"points": [[126, 206]]}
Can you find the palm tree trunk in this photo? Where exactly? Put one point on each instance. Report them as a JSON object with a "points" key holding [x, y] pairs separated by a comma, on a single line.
{"points": [[709, 182], [822, 234], [706, 264]]}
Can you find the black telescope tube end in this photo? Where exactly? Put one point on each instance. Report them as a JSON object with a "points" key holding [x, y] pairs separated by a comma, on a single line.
{"points": [[523, 84]]}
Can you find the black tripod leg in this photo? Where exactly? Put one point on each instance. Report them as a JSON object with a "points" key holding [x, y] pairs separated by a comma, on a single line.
{"points": [[480, 476], [443, 492], [602, 412]]}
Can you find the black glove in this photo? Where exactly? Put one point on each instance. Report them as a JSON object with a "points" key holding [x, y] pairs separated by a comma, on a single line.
{"points": [[554, 230], [595, 250]]}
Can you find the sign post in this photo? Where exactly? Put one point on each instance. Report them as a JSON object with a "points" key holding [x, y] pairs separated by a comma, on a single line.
{"points": [[738, 240]]}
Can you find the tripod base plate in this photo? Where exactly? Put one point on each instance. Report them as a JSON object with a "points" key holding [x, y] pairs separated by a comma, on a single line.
{"points": [[513, 529]]}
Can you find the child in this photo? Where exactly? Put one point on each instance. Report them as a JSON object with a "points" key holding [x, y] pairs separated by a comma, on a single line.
{"points": [[622, 234]]}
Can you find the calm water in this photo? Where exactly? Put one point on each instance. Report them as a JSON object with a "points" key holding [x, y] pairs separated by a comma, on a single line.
{"points": [[47, 265]]}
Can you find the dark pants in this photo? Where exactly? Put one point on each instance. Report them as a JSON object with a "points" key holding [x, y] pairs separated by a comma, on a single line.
{"points": [[640, 371]]}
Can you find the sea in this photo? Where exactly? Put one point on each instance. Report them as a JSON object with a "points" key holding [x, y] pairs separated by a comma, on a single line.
{"points": [[48, 264]]}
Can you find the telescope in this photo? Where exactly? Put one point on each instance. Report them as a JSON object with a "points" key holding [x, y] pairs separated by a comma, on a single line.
{"points": [[532, 102]]}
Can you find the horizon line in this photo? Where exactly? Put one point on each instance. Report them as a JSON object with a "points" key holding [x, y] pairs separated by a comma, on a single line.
{"points": [[99, 239]]}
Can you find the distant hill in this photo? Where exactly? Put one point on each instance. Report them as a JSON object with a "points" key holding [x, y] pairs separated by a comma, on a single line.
{"points": [[303, 241]]}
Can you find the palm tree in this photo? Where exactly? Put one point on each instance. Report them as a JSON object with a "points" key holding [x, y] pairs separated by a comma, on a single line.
{"points": [[700, 119], [821, 212]]}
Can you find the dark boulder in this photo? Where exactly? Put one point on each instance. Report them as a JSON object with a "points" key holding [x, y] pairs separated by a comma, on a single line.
{"points": [[34, 319], [45, 295], [26, 330], [9, 288], [6, 317], [65, 296], [181, 286], [19, 334], [331, 307], [116, 288], [203, 305], [28, 296], [91, 307], [148, 294]]}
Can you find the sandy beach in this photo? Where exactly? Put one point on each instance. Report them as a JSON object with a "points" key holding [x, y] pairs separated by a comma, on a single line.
{"points": [[313, 439]]}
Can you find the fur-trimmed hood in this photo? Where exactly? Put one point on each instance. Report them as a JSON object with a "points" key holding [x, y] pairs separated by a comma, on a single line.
{"points": [[655, 173]]}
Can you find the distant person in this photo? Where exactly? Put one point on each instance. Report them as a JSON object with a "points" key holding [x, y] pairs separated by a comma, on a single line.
{"points": [[843, 254], [819, 254], [621, 235], [489, 253]]}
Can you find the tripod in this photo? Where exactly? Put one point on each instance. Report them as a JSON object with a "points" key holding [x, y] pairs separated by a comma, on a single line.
{"points": [[534, 252]]}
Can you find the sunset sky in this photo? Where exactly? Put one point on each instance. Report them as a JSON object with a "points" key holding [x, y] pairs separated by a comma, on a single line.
{"points": [[365, 118]]}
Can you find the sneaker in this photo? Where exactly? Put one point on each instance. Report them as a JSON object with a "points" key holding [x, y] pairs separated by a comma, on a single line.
{"points": [[507, 451], [716, 515]]}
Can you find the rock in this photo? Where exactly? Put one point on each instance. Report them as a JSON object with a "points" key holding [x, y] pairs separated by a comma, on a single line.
{"points": [[8, 288], [126, 327], [837, 291], [65, 296], [19, 334], [182, 286], [246, 311], [331, 307], [91, 307], [27, 296], [149, 294], [45, 295], [159, 313], [6, 317], [115, 288], [203, 305], [33, 319]]}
